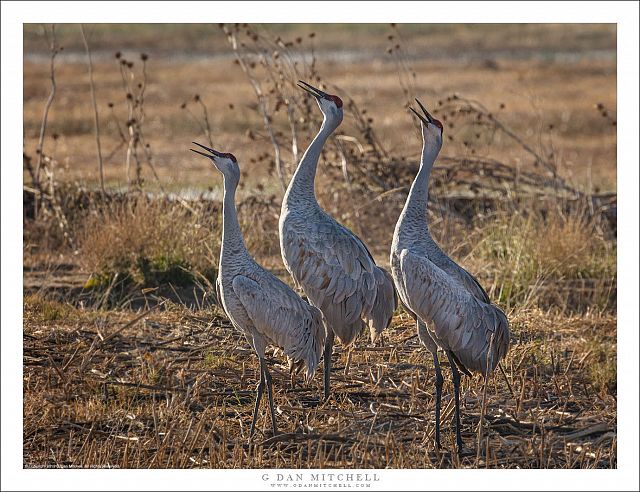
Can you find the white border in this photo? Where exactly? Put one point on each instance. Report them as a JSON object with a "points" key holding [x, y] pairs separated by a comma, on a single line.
{"points": [[625, 14]]}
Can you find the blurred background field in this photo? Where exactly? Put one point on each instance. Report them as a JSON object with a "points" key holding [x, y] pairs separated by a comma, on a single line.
{"points": [[523, 195], [544, 75]]}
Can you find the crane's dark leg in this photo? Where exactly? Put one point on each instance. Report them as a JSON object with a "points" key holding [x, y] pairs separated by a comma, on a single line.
{"points": [[430, 344], [260, 390], [328, 350], [439, 383], [267, 378], [456, 387]]}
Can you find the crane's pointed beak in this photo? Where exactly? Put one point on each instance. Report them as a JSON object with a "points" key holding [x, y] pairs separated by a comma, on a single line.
{"points": [[424, 110], [317, 93], [214, 152], [201, 153], [420, 117]]}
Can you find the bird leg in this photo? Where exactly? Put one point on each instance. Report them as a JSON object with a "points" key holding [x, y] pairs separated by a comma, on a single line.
{"points": [[347, 366], [292, 375], [294, 368], [430, 344], [439, 383], [456, 388], [328, 350], [267, 378], [260, 390]]}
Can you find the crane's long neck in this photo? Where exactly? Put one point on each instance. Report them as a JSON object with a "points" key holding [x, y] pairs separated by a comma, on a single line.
{"points": [[233, 246], [415, 209], [302, 184]]}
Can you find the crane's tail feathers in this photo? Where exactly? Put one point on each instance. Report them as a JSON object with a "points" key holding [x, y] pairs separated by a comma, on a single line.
{"points": [[309, 351], [461, 367], [488, 343], [386, 302]]}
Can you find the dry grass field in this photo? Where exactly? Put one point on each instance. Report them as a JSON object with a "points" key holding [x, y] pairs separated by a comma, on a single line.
{"points": [[128, 360]]}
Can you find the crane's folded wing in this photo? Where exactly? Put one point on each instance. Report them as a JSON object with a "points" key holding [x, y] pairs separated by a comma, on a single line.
{"points": [[282, 316], [461, 322], [339, 275], [450, 267]]}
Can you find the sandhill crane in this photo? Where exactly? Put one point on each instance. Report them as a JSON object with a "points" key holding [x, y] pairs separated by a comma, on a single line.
{"points": [[328, 261], [259, 305], [451, 309]]}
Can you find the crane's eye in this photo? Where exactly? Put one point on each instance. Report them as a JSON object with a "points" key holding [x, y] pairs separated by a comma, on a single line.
{"points": [[232, 157], [438, 124]]}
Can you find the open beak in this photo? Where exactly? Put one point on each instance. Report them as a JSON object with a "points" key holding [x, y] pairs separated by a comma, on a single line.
{"points": [[214, 152], [427, 118], [317, 93]]}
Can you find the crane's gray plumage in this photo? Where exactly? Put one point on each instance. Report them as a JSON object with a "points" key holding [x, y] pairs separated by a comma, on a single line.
{"points": [[261, 306], [337, 274], [328, 261], [461, 323], [451, 309]]}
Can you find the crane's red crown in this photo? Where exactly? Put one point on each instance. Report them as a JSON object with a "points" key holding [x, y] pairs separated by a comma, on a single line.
{"points": [[336, 100], [438, 124], [230, 156]]}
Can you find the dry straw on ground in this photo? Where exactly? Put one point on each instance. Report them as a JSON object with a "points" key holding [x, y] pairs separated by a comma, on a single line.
{"points": [[175, 389]]}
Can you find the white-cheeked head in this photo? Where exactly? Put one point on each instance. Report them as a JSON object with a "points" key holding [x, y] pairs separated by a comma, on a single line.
{"points": [[226, 163], [330, 105], [431, 129]]}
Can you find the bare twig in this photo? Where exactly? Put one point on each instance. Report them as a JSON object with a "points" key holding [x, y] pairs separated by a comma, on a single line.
{"points": [[263, 107], [95, 107], [54, 50]]}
